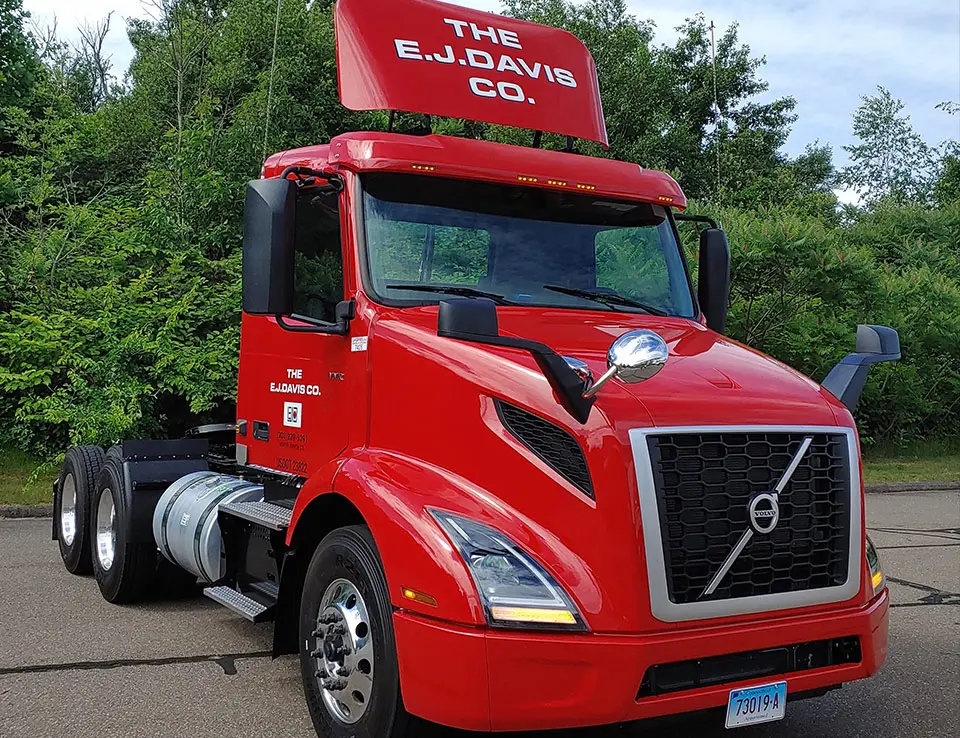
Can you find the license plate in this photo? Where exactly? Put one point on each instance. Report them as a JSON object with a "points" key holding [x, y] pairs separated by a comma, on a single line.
{"points": [[753, 705]]}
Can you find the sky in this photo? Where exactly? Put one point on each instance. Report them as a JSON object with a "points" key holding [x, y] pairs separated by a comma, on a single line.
{"points": [[824, 53]]}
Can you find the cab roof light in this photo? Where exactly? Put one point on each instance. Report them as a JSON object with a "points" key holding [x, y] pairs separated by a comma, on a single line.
{"points": [[556, 182], [423, 167], [581, 186], [421, 597], [524, 178], [665, 198]]}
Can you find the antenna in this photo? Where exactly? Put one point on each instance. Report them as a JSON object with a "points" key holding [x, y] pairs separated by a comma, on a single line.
{"points": [[716, 101], [273, 65]]}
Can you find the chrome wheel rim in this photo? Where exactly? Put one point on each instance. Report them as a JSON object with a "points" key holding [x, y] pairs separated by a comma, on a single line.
{"points": [[343, 653], [68, 510], [106, 529]]}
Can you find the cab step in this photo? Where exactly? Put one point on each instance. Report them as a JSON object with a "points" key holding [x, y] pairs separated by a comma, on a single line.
{"points": [[267, 514], [253, 610]]}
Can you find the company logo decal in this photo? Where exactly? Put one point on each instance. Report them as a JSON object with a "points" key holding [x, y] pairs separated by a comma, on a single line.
{"points": [[293, 414], [498, 41]]}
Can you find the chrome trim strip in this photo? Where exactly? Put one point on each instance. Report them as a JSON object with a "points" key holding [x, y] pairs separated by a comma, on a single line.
{"points": [[728, 562], [661, 606]]}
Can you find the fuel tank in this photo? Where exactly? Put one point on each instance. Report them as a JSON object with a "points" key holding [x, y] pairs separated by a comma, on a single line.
{"points": [[185, 523]]}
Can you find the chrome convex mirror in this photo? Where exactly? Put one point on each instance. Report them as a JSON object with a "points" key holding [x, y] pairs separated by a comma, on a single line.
{"points": [[634, 357]]}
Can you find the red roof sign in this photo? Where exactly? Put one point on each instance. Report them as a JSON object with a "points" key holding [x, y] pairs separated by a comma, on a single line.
{"points": [[422, 56]]}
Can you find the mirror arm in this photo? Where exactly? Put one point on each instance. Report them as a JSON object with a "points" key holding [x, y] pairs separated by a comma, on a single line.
{"points": [[596, 386], [345, 311], [305, 175], [690, 218]]}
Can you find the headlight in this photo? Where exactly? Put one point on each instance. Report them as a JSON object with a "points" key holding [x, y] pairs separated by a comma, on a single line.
{"points": [[877, 579], [516, 591]]}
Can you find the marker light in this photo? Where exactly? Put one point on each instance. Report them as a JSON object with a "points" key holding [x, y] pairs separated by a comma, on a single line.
{"points": [[524, 178], [556, 182], [516, 591], [877, 579], [423, 167], [412, 594], [664, 198], [586, 187]]}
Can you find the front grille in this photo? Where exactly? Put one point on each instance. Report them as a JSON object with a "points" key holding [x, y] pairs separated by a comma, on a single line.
{"points": [[736, 667], [704, 483], [552, 444]]}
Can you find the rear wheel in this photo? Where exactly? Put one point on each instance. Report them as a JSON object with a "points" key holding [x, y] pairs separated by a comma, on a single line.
{"points": [[348, 656], [123, 566], [71, 506]]}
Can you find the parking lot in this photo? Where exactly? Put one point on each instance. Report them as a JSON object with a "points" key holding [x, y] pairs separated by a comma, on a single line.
{"points": [[73, 665]]}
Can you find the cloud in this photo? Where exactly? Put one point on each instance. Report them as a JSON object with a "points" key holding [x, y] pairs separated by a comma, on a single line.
{"points": [[824, 53]]}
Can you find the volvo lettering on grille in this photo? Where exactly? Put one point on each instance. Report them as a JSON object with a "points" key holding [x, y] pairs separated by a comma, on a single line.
{"points": [[763, 514]]}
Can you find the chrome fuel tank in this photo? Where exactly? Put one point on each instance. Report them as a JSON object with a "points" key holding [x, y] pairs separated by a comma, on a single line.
{"points": [[185, 520]]}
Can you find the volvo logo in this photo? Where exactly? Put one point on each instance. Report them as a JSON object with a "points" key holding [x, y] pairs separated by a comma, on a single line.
{"points": [[763, 513]]}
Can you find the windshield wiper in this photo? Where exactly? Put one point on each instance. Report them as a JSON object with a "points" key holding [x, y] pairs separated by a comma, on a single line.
{"points": [[459, 291], [606, 298]]}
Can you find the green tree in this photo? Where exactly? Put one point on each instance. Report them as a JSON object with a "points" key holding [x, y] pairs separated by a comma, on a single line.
{"points": [[19, 65], [891, 160]]}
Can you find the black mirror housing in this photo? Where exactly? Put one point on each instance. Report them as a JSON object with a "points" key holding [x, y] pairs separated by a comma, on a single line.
{"points": [[268, 225], [875, 344], [713, 289], [467, 316]]}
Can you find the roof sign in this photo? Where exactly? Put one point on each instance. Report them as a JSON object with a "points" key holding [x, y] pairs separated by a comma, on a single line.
{"points": [[422, 56]]}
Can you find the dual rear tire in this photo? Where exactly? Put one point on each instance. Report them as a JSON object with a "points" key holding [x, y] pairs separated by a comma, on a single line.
{"points": [[123, 565], [93, 515], [71, 506]]}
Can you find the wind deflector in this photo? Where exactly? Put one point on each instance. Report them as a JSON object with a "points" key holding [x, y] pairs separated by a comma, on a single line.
{"points": [[422, 56]]}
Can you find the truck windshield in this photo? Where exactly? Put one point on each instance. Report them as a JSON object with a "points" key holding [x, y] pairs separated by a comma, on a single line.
{"points": [[428, 238]]}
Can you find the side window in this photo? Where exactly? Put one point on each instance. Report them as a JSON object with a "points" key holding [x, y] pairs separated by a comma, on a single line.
{"points": [[631, 261], [318, 256]]}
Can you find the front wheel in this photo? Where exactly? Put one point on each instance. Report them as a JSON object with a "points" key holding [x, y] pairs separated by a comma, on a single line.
{"points": [[348, 656]]}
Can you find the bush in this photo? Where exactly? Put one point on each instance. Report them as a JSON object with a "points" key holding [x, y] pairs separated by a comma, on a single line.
{"points": [[801, 286]]}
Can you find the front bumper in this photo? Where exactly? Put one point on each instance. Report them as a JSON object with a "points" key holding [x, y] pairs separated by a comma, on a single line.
{"points": [[479, 679]]}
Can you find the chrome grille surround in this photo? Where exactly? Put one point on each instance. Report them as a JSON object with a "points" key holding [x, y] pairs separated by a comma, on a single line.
{"points": [[668, 611]]}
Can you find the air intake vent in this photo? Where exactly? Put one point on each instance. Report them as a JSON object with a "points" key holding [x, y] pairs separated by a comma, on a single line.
{"points": [[552, 444]]}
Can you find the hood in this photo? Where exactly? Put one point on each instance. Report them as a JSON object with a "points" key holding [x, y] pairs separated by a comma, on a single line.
{"points": [[708, 379]]}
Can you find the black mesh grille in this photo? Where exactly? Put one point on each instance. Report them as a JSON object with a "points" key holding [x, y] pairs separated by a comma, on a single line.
{"points": [[737, 667], [704, 483], [553, 445]]}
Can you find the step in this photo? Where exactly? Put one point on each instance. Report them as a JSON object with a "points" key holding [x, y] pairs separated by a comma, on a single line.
{"points": [[251, 609], [274, 517]]}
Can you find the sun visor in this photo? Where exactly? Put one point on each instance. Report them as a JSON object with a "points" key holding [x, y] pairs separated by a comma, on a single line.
{"points": [[421, 56]]}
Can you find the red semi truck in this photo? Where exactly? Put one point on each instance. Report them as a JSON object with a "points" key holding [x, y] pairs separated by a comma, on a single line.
{"points": [[495, 465]]}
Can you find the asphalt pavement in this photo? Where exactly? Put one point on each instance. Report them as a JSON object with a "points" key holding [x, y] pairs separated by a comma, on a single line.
{"points": [[73, 666]]}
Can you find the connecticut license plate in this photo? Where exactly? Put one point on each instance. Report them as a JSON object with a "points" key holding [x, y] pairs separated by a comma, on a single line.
{"points": [[753, 705]]}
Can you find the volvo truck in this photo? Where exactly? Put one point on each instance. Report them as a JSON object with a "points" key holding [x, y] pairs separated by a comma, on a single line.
{"points": [[495, 464]]}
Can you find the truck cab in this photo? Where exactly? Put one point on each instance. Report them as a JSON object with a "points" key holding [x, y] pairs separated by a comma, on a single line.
{"points": [[497, 466]]}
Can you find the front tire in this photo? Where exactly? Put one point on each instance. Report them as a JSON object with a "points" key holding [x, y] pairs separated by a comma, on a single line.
{"points": [[123, 566], [348, 655], [71, 506]]}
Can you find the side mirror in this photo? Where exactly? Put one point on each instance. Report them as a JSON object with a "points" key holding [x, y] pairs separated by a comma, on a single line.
{"points": [[268, 224], [875, 344], [633, 357], [713, 289], [467, 318]]}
